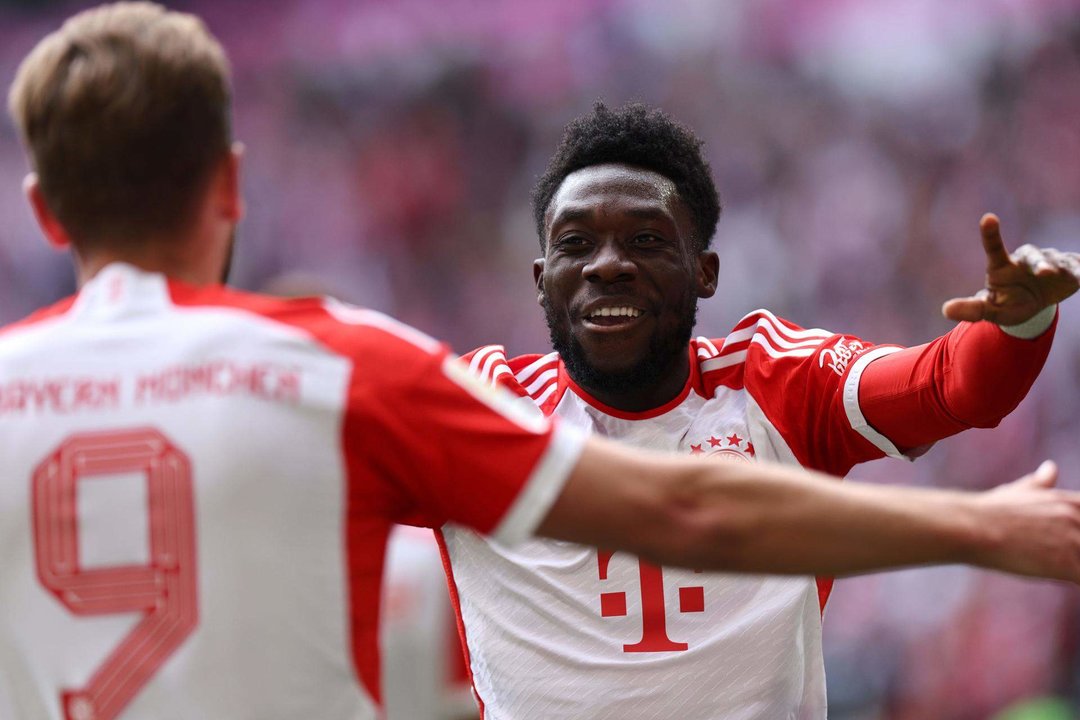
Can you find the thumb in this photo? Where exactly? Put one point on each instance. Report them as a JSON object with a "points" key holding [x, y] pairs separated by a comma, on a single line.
{"points": [[1045, 476], [969, 309]]}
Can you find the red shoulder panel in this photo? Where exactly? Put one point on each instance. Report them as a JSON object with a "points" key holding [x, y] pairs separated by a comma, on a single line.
{"points": [[796, 376], [38, 316]]}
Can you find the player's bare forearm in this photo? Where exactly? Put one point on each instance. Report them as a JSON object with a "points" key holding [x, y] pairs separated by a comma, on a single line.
{"points": [[773, 519]]}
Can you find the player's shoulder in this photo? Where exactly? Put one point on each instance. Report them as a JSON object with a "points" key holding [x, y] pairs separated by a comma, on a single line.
{"points": [[269, 307], [488, 363], [530, 375], [39, 317], [341, 327], [758, 338]]}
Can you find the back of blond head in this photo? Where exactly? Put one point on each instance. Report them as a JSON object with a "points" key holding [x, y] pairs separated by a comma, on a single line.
{"points": [[125, 111]]}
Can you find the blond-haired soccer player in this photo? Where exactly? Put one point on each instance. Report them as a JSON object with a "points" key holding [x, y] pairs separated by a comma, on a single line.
{"points": [[197, 484]]}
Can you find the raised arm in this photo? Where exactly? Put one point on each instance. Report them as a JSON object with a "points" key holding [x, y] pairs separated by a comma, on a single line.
{"points": [[774, 519], [980, 371], [1018, 286]]}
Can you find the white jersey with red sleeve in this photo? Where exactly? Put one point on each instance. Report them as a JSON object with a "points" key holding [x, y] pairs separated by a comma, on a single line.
{"points": [[559, 631], [197, 488]]}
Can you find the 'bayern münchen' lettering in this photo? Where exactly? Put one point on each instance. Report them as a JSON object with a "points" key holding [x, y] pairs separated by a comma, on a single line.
{"points": [[61, 395], [219, 377]]}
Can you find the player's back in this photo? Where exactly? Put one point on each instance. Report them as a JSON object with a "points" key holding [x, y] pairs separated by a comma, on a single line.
{"points": [[173, 509]]}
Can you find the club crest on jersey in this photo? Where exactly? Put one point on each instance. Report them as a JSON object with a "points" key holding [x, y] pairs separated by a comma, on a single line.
{"points": [[730, 446]]}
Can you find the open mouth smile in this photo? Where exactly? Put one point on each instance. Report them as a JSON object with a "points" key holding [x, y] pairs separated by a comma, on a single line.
{"points": [[611, 316]]}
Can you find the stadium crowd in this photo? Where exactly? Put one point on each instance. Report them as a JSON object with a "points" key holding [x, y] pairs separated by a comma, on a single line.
{"points": [[392, 147]]}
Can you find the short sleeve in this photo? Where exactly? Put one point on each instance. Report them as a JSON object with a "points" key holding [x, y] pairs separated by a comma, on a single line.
{"points": [[427, 444]]}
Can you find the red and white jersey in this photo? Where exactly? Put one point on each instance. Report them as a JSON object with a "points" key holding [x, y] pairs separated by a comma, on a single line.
{"points": [[196, 492], [560, 631]]}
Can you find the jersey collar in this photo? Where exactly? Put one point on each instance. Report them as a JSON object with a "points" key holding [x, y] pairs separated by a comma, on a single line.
{"points": [[693, 382]]}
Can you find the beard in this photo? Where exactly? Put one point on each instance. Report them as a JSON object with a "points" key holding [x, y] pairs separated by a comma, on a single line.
{"points": [[665, 351]]}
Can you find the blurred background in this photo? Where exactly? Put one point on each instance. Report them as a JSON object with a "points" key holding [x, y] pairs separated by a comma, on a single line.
{"points": [[391, 147]]}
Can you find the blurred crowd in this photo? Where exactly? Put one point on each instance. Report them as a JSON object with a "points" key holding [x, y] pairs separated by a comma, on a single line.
{"points": [[391, 148]]}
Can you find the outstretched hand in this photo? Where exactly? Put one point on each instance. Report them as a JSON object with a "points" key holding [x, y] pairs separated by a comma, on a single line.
{"points": [[1036, 527], [1018, 286]]}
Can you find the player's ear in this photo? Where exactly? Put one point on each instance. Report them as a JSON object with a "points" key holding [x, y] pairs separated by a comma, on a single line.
{"points": [[55, 233], [230, 196], [708, 269], [538, 278]]}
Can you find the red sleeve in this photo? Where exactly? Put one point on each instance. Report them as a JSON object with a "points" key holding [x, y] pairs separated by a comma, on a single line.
{"points": [[796, 380], [973, 376], [429, 443], [424, 442]]}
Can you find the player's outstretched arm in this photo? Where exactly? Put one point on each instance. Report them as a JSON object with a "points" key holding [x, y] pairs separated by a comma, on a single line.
{"points": [[774, 519], [978, 373]]}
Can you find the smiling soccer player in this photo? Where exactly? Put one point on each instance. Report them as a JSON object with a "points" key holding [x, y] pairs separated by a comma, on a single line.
{"points": [[208, 539], [625, 214]]}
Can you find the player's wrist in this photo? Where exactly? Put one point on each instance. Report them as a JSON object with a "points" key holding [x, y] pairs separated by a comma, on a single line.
{"points": [[973, 536], [984, 540], [1034, 326]]}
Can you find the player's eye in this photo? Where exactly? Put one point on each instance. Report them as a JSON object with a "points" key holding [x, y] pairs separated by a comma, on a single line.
{"points": [[647, 239], [571, 242]]}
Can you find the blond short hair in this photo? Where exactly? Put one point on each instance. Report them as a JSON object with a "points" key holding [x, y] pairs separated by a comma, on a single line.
{"points": [[125, 111]]}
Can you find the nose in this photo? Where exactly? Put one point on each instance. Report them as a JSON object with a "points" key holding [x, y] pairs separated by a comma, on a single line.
{"points": [[609, 264]]}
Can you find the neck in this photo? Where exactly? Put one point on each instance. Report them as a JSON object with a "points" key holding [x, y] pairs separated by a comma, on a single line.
{"points": [[154, 258], [658, 390]]}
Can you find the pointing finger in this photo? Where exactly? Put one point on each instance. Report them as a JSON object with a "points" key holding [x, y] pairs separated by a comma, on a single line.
{"points": [[993, 246]]}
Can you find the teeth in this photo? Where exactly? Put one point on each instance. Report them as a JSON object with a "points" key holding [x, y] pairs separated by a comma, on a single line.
{"points": [[616, 312]]}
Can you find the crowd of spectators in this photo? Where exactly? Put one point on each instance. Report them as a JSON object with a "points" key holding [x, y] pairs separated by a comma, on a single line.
{"points": [[391, 147]]}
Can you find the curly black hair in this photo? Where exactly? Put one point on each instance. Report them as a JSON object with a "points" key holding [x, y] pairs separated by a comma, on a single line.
{"points": [[643, 137]]}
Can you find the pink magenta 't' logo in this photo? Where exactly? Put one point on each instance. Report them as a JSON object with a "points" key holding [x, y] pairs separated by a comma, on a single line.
{"points": [[654, 636]]}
